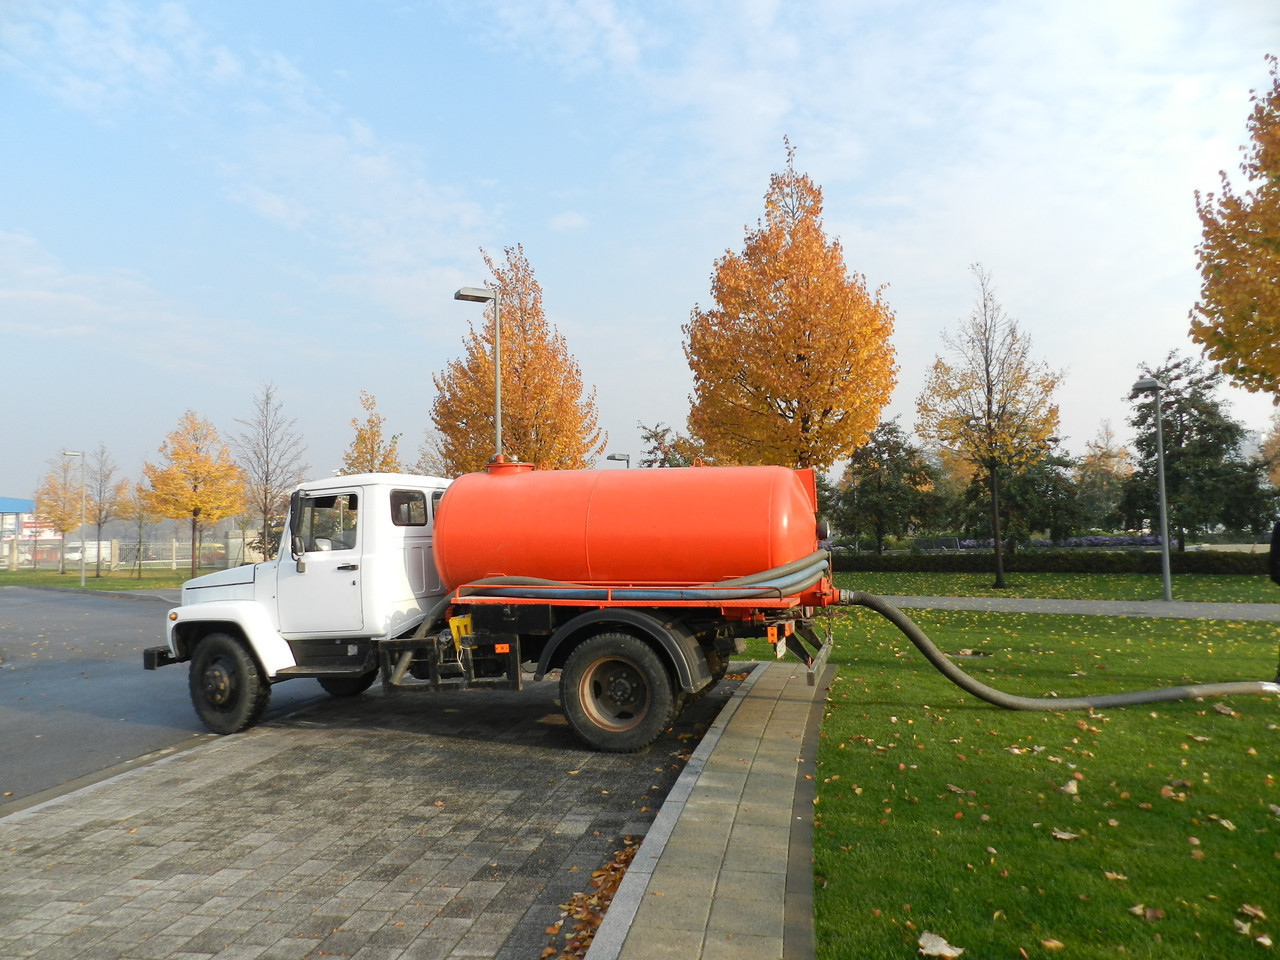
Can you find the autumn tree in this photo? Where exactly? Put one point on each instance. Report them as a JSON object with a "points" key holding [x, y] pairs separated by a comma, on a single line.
{"points": [[547, 417], [270, 452], [198, 480], [58, 503], [1099, 477], [1237, 319], [943, 508], [135, 509], [793, 363], [1269, 450], [990, 403], [369, 451]]}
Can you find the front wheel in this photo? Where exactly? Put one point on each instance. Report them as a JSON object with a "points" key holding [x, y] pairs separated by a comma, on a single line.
{"points": [[227, 688], [616, 693]]}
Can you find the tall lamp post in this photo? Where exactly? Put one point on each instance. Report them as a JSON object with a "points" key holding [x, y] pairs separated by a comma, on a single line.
{"points": [[83, 546], [1153, 386], [621, 458], [482, 295]]}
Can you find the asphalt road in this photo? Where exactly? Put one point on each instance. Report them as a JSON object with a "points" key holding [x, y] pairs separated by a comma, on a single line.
{"points": [[75, 703]]}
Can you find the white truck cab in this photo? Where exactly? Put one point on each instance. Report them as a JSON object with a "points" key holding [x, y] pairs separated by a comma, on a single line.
{"points": [[354, 568]]}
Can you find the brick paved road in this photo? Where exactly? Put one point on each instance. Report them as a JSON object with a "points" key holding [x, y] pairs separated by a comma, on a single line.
{"points": [[382, 827]]}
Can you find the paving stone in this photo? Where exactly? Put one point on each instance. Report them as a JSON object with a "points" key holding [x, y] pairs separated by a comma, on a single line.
{"points": [[378, 826]]}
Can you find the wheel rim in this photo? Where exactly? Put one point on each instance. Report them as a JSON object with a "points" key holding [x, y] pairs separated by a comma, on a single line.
{"points": [[614, 694], [219, 684]]}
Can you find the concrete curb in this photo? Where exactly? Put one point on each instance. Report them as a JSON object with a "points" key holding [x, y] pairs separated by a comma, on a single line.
{"points": [[613, 930]]}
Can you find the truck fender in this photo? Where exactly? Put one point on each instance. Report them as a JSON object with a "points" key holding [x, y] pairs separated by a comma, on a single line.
{"points": [[672, 638], [185, 625]]}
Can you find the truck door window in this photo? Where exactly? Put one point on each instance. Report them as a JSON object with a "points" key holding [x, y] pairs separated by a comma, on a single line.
{"points": [[330, 523], [408, 508]]}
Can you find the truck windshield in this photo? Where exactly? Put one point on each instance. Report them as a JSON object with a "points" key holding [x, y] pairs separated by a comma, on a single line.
{"points": [[330, 523]]}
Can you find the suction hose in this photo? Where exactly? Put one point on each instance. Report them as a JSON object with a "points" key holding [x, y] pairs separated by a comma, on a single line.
{"points": [[980, 690], [794, 577]]}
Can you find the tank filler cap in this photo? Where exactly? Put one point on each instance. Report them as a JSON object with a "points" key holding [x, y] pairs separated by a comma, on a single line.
{"points": [[501, 466]]}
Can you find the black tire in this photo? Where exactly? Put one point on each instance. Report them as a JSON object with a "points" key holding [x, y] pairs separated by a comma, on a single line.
{"points": [[348, 686], [616, 693], [227, 688]]}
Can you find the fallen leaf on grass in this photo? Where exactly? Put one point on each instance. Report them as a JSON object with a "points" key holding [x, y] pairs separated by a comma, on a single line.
{"points": [[932, 945], [1064, 835], [1149, 914], [1114, 876], [1252, 912], [1226, 711], [1053, 944], [1070, 787]]}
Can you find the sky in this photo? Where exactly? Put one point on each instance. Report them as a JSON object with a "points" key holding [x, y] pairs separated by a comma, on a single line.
{"points": [[197, 199]]}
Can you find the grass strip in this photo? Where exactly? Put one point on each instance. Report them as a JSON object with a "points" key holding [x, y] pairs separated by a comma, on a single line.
{"points": [[1203, 588], [110, 580], [1147, 831]]}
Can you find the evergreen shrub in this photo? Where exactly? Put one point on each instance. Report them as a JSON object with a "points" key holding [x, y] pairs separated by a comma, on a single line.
{"points": [[1074, 561]]}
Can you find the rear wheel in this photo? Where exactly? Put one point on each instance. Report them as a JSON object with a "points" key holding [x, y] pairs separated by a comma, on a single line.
{"points": [[348, 686], [227, 688], [616, 693]]}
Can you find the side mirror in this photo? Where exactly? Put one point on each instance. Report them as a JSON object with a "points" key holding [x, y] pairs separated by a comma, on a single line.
{"points": [[296, 547]]}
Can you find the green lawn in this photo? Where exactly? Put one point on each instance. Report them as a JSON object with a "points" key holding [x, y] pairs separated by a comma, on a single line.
{"points": [[938, 812], [152, 579], [1222, 588]]}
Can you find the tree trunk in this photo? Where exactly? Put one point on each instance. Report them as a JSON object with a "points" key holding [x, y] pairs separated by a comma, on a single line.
{"points": [[995, 528], [195, 547]]}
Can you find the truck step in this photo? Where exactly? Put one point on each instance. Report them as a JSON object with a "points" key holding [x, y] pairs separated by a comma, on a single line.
{"points": [[290, 672]]}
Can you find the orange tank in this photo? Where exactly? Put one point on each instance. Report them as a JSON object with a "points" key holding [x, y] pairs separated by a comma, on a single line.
{"points": [[646, 526]]}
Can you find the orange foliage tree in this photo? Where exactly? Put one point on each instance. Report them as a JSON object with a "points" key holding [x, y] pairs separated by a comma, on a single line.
{"points": [[547, 418], [793, 363], [58, 504], [992, 404], [369, 452], [198, 481], [1237, 319]]}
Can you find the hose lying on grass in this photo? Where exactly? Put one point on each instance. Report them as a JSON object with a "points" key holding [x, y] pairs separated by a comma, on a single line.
{"points": [[967, 683]]}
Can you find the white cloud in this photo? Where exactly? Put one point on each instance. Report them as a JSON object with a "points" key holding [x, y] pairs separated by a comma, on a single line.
{"points": [[569, 220]]}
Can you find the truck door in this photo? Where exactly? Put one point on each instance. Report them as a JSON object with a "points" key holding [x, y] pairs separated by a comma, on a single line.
{"points": [[320, 594]]}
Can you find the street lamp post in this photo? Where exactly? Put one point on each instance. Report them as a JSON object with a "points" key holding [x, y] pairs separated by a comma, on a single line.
{"points": [[621, 458], [1153, 386], [83, 544], [482, 295]]}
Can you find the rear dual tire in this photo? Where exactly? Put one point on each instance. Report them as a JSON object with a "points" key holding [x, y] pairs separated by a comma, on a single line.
{"points": [[616, 693]]}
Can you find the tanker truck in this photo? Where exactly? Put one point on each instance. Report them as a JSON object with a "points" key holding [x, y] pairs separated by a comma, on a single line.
{"points": [[636, 585]]}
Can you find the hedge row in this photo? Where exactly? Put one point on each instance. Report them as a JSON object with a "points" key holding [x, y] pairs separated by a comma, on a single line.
{"points": [[1074, 561]]}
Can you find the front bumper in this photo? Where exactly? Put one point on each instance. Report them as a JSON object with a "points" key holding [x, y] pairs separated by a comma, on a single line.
{"points": [[153, 657]]}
